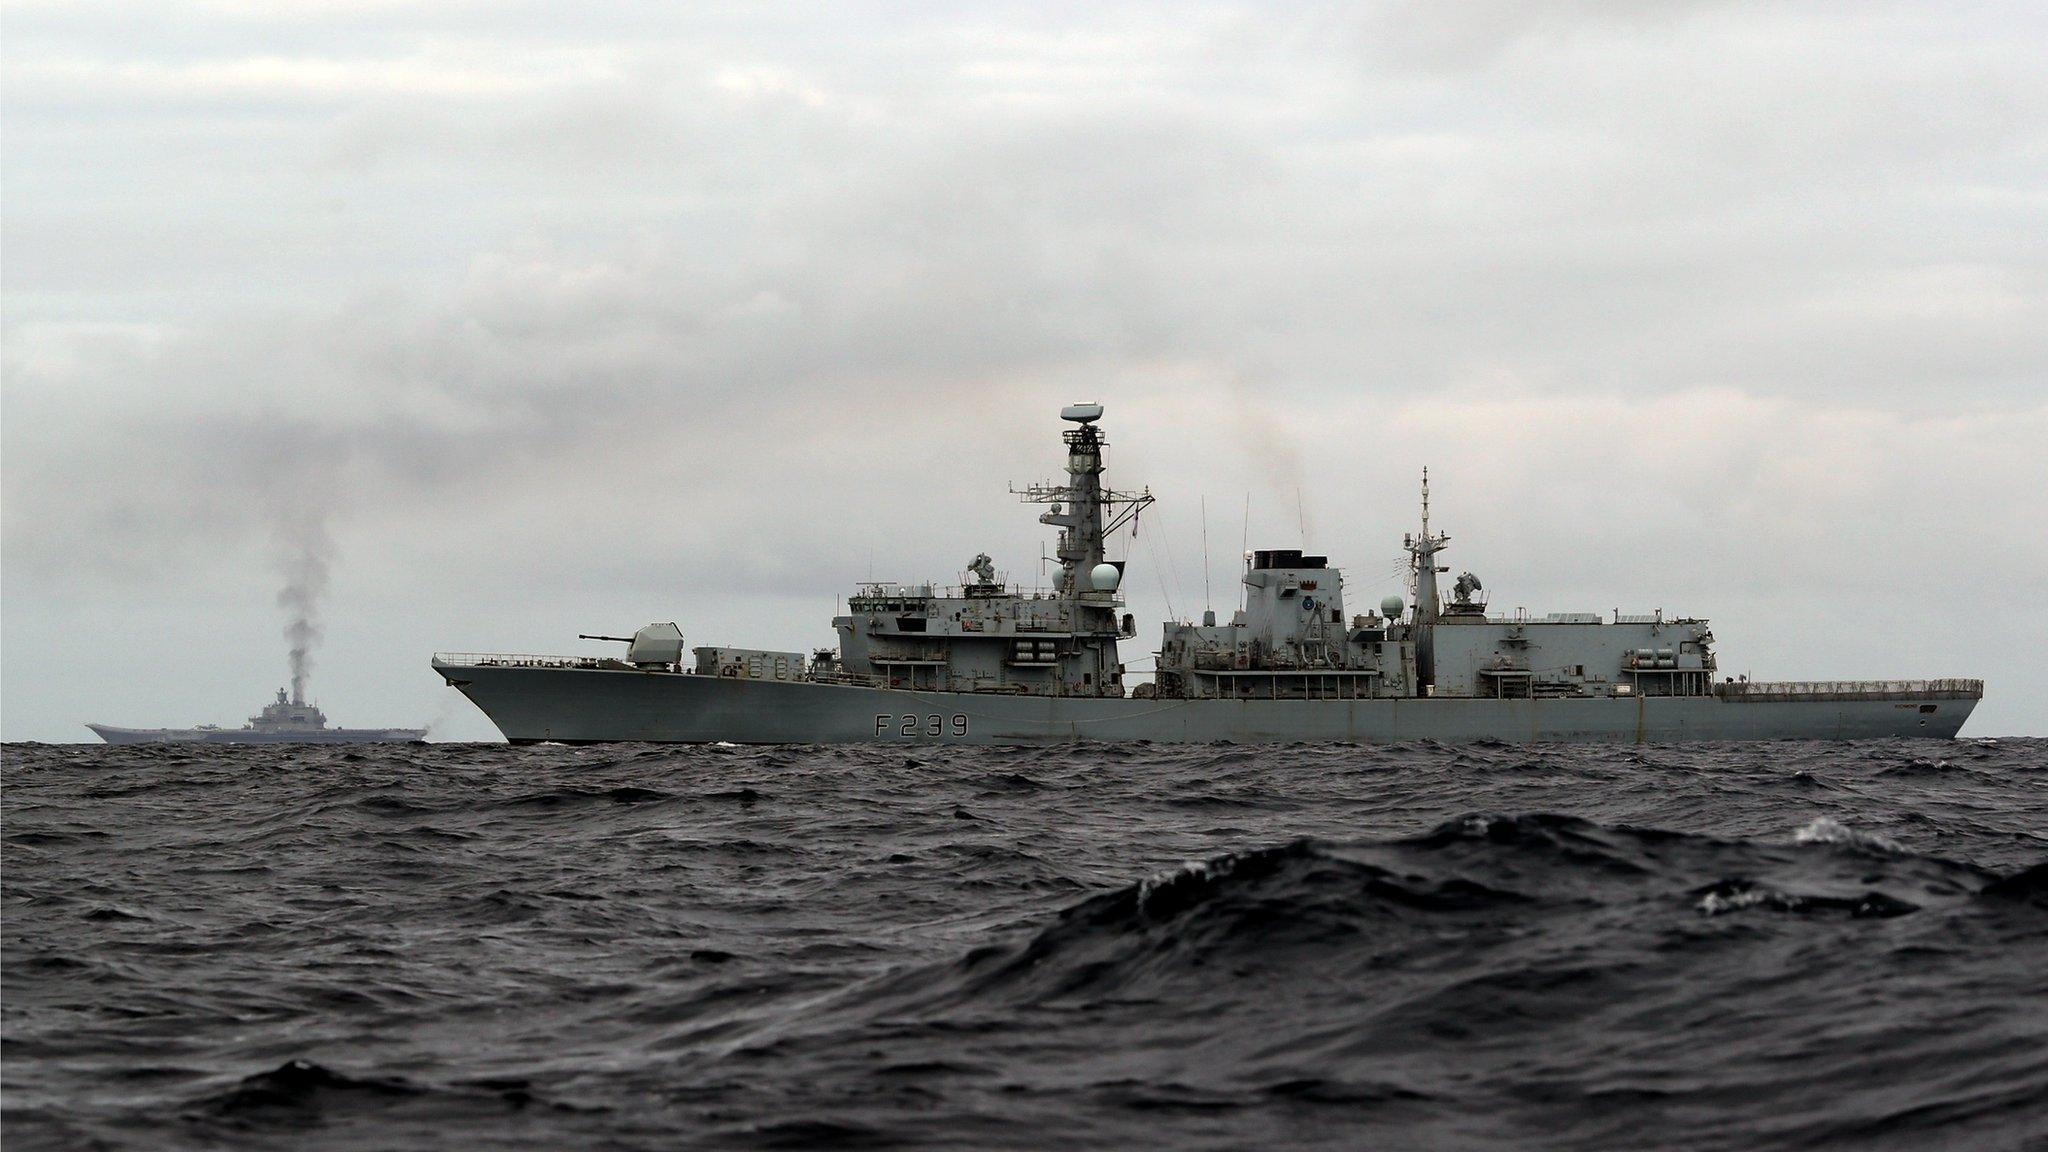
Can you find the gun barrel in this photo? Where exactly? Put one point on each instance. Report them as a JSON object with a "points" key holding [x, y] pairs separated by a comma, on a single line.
{"points": [[619, 639]]}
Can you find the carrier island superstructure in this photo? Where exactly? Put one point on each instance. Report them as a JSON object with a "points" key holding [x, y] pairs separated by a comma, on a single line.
{"points": [[988, 663]]}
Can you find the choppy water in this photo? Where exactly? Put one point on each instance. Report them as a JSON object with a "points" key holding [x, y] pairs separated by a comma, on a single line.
{"points": [[1774, 945]]}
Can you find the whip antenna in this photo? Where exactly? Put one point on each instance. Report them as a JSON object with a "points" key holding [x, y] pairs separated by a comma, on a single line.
{"points": [[1208, 603]]}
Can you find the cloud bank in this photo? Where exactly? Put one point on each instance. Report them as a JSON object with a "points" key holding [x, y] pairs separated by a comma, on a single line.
{"points": [[562, 321]]}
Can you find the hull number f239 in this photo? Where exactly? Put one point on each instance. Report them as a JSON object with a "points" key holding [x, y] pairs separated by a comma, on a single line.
{"points": [[929, 724]]}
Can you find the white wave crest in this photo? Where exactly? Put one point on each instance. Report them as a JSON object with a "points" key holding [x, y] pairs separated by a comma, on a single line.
{"points": [[1190, 872], [1826, 830], [1717, 903]]}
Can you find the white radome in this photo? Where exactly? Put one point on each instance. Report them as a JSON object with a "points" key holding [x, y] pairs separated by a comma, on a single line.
{"points": [[1105, 577]]}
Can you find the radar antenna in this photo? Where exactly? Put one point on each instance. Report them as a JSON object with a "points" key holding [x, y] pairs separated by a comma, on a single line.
{"points": [[1425, 500], [1466, 585], [983, 568]]}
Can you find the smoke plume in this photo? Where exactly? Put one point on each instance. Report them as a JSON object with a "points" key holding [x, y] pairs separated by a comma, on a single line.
{"points": [[305, 550], [1273, 450]]}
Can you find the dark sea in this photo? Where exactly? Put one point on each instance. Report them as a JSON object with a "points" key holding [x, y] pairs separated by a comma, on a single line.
{"points": [[1778, 945]]}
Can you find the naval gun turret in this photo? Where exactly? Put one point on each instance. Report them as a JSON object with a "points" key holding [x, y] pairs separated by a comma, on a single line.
{"points": [[654, 646]]}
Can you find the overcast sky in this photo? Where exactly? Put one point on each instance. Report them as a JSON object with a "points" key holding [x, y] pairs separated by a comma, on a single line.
{"points": [[534, 319]]}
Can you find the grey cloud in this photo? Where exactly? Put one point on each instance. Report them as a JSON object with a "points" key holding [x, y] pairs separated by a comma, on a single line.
{"points": [[595, 306]]}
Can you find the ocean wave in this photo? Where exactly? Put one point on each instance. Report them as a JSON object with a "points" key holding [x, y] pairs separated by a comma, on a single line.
{"points": [[1512, 941], [1309, 907], [298, 1086], [561, 797], [298, 1096], [1827, 830], [640, 946]]}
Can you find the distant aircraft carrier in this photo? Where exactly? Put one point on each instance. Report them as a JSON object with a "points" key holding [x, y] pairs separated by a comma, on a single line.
{"points": [[986, 663], [286, 720]]}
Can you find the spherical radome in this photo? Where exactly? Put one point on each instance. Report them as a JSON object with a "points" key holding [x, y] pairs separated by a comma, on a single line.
{"points": [[1391, 607], [1105, 577]]}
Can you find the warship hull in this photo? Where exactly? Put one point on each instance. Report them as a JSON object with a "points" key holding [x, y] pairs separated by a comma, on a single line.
{"points": [[113, 735], [574, 703], [988, 662]]}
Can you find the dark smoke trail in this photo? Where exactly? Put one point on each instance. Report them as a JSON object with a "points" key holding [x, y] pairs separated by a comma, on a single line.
{"points": [[306, 551], [1272, 448]]}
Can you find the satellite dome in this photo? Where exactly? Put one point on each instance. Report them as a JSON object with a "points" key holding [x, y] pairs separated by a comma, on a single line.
{"points": [[1105, 577], [1391, 607]]}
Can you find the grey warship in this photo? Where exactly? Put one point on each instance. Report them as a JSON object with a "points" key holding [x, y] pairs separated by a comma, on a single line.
{"points": [[988, 663], [285, 720]]}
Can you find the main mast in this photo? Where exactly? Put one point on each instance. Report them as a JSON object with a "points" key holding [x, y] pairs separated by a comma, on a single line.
{"points": [[1080, 505], [1422, 569]]}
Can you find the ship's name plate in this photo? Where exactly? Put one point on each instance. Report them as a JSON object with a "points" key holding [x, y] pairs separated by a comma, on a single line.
{"points": [[913, 726]]}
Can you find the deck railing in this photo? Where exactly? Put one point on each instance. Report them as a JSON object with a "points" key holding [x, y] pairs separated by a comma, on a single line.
{"points": [[1745, 691], [521, 660], [857, 679]]}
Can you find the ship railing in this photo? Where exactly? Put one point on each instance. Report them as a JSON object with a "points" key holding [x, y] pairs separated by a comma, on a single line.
{"points": [[520, 660], [857, 679], [919, 595], [1747, 691]]}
